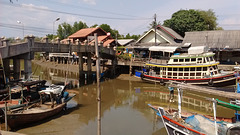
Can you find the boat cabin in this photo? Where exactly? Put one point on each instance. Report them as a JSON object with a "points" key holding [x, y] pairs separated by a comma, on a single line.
{"points": [[195, 64]]}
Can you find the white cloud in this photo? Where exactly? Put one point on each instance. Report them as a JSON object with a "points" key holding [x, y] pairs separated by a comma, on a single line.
{"points": [[92, 2]]}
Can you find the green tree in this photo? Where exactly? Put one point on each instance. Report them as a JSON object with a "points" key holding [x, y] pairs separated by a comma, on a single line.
{"points": [[191, 20], [64, 30], [94, 26], [107, 28], [78, 25]]}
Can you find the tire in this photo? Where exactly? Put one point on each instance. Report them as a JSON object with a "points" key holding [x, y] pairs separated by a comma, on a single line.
{"points": [[162, 82], [210, 83]]}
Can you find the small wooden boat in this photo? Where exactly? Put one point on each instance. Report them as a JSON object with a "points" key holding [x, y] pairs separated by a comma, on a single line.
{"points": [[38, 111]]}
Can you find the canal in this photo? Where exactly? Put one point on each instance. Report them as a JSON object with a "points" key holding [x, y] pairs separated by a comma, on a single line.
{"points": [[125, 108]]}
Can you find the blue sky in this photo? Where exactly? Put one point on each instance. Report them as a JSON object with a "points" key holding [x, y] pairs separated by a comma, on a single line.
{"points": [[38, 17]]}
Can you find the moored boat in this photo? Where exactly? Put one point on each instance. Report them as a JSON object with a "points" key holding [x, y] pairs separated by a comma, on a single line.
{"points": [[194, 65], [53, 100]]}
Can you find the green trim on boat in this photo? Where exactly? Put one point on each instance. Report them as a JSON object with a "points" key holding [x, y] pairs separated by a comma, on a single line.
{"points": [[228, 105]]}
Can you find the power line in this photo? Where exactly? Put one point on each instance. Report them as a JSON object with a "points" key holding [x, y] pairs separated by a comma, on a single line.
{"points": [[91, 9], [68, 13]]}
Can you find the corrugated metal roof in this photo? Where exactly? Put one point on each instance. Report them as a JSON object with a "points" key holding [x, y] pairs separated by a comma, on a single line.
{"points": [[171, 32], [214, 39], [125, 41]]}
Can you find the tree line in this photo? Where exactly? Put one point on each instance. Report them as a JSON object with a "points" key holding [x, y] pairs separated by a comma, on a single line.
{"points": [[181, 21]]}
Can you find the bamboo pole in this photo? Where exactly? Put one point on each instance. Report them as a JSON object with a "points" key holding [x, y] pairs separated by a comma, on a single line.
{"points": [[98, 83], [6, 124]]}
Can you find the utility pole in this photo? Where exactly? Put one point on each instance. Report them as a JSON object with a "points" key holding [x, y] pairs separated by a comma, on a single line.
{"points": [[155, 28], [98, 83]]}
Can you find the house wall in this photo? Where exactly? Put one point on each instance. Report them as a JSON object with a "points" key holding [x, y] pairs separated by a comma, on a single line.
{"points": [[150, 38]]}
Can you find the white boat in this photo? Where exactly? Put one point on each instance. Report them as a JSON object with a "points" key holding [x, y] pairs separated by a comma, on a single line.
{"points": [[193, 65]]}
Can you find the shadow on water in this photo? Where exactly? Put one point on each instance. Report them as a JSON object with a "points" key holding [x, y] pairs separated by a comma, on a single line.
{"points": [[69, 108]]}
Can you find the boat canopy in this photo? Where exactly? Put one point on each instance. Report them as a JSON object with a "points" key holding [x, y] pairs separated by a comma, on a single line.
{"points": [[228, 105], [197, 50], [170, 49]]}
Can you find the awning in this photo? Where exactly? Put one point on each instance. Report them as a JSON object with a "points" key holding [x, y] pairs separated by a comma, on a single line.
{"points": [[197, 50], [163, 48]]}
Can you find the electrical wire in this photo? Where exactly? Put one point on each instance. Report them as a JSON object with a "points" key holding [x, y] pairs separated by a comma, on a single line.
{"points": [[86, 8], [68, 13]]}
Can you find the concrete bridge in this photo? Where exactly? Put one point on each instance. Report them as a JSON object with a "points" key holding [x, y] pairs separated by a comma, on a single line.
{"points": [[25, 50]]}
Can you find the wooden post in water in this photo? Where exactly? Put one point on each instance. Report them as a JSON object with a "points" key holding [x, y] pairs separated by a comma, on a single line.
{"points": [[179, 102], [98, 83], [6, 124], [130, 66]]}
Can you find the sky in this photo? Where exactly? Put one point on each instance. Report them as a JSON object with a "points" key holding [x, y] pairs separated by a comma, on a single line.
{"points": [[38, 17]]}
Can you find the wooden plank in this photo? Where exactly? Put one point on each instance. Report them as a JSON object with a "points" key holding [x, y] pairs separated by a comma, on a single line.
{"points": [[205, 90]]}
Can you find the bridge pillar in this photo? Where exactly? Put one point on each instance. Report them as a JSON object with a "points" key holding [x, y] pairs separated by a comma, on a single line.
{"points": [[81, 74], [16, 68], [6, 43], [27, 68], [30, 41], [6, 65], [114, 65], [89, 68]]}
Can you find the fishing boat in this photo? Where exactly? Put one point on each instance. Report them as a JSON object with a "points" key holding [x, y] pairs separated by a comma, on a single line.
{"points": [[52, 101], [194, 65], [179, 122]]}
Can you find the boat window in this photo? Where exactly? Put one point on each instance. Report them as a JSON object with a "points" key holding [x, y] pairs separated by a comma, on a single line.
{"points": [[186, 69], [169, 69], [192, 69], [193, 59], [199, 68], [181, 60], [204, 68], [174, 69], [204, 61], [187, 60], [207, 59], [175, 60], [211, 58], [186, 74], [199, 60], [180, 69]]}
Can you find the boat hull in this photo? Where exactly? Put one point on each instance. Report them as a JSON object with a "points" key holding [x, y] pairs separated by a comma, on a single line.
{"points": [[220, 81], [175, 128], [20, 119]]}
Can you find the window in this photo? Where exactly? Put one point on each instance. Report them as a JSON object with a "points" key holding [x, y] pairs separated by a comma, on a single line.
{"points": [[186, 69], [187, 60], [211, 58], [175, 60], [180, 69], [207, 59], [204, 68], [199, 68], [174, 69], [181, 60], [192, 69], [193, 59], [169, 69]]}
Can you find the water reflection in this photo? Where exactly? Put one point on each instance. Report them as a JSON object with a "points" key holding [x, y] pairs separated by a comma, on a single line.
{"points": [[124, 109]]}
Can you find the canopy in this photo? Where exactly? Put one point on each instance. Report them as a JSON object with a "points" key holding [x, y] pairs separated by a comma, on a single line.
{"points": [[163, 48], [197, 50], [228, 105]]}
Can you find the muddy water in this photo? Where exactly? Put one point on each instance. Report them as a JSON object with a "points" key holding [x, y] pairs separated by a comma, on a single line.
{"points": [[125, 109]]}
